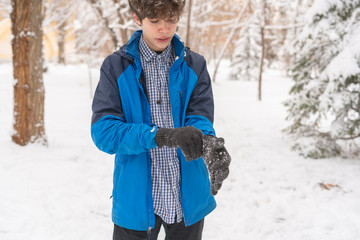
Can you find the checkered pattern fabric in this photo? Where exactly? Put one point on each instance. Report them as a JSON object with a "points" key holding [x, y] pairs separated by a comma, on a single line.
{"points": [[165, 169]]}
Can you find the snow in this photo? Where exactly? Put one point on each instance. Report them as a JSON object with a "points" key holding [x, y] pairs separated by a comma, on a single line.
{"points": [[345, 63], [315, 12], [320, 6], [62, 191]]}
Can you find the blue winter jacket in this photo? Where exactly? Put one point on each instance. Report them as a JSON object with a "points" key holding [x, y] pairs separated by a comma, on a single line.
{"points": [[121, 125]]}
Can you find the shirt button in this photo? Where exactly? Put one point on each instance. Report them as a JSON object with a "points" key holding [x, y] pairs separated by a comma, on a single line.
{"points": [[158, 101]]}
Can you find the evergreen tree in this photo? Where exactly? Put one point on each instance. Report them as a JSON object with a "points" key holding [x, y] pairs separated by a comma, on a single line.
{"points": [[252, 49], [246, 57], [325, 103], [247, 53]]}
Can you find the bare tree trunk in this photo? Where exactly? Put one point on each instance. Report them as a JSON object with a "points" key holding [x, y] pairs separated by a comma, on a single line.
{"points": [[188, 26], [61, 43], [229, 39], [263, 23], [110, 30], [261, 62], [123, 31], [26, 18]]}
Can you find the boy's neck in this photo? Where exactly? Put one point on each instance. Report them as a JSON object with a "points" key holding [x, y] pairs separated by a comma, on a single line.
{"points": [[158, 52]]}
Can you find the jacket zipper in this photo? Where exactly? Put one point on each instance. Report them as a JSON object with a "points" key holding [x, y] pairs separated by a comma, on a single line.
{"points": [[149, 233], [149, 122], [180, 165], [181, 101]]}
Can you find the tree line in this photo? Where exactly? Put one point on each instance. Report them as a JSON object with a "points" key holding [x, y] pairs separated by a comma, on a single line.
{"points": [[252, 34]]}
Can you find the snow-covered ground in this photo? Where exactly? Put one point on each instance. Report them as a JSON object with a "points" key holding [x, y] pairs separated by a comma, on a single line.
{"points": [[62, 191]]}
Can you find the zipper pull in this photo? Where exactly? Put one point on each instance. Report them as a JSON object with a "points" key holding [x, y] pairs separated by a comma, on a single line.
{"points": [[149, 233], [180, 94]]}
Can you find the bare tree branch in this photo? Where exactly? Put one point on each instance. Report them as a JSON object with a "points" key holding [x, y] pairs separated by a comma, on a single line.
{"points": [[230, 37]]}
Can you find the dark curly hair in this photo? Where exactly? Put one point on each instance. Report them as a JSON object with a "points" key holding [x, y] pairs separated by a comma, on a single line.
{"points": [[157, 9]]}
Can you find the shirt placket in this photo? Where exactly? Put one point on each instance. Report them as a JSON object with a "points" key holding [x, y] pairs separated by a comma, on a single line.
{"points": [[158, 96], [165, 108], [162, 121], [165, 162]]}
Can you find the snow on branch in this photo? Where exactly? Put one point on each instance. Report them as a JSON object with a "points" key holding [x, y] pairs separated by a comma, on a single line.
{"points": [[229, 38]]}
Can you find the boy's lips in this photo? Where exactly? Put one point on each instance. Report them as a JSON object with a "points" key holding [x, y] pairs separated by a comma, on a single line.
{"points": [[163, 39]]}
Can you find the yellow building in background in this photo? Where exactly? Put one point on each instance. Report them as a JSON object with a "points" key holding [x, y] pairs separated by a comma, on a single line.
{"points": [[49, 42], [5, 45]]}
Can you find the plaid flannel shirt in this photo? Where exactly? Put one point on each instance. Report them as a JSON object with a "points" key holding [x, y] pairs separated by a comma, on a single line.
{"points": [[165, 169]]}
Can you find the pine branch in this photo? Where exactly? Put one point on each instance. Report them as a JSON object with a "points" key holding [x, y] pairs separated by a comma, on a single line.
{"points": [[349, 138], [283, 27]]}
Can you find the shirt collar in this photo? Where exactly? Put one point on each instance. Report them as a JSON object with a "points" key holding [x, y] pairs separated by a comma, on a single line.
{"points": [[149, 54]]}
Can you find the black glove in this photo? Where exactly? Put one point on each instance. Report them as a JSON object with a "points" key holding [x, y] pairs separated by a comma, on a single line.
{"points": [[188, 139], [217, 160]]}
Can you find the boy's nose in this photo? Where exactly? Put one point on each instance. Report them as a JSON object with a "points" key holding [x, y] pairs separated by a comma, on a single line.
{"points": [[164, 27]]}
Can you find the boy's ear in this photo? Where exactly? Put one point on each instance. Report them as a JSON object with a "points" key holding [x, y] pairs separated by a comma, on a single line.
{"points": [[137, 20]]}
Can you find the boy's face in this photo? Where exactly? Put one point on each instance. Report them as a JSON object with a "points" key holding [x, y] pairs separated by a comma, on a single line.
{"points": [[157, 33]]}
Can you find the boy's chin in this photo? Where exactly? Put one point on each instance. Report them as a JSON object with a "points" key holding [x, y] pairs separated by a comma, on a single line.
{"points": [[160, 47]]}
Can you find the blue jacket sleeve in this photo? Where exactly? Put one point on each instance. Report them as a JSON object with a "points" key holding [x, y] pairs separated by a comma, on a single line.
{"points": [[109, 130], [200, 111]]}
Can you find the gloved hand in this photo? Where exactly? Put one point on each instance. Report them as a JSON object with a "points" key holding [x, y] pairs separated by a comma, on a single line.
{"points": [[188, 139], [217, 160]]}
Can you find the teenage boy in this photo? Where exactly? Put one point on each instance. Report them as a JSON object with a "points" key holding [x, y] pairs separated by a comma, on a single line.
{"points": [[153, 108]]}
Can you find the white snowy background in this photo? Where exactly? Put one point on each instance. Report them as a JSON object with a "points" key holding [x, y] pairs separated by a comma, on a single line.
{"points": [[62, 192]]}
